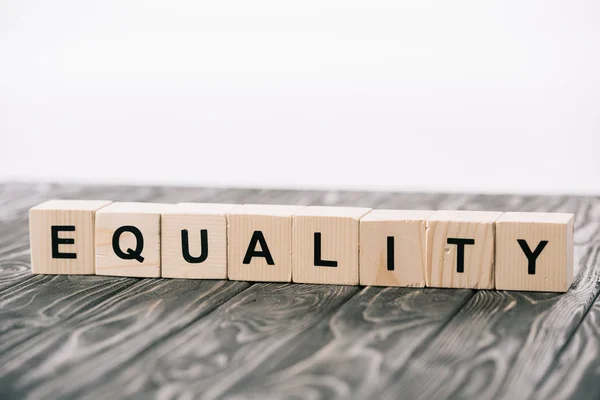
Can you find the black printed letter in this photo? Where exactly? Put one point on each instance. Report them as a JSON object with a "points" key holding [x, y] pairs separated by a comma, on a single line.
{"points": [[390, 253], [318, 261], [56, 241], [258, 237], [460, 252], [129, 254], [532, 257], [185, 247]]}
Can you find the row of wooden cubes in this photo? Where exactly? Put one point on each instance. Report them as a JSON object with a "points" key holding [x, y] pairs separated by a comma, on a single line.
{"points": [[327, 245]]}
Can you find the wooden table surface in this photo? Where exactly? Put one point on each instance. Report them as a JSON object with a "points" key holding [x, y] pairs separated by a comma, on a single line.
{"points": [[107, 337]]}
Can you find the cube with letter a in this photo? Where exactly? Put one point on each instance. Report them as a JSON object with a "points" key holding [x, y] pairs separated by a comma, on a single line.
{"points": [[260, 242]]}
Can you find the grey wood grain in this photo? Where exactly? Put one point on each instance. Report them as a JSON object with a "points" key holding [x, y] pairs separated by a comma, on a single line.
{"points": [[501, 344], [13, 273], [354, 352], [576, 372], [248, 332], [38, 304], [59, 361]]}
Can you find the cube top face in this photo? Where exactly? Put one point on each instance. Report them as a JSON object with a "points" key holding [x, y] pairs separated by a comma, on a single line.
{"points": [[127, 239], [466, 216], [393, 248], [72, 205], [62, 236], [266, 210], [260, 243], [136, 208], [333, 212], [397, 215], [201, 208], [460, 249], [537, 217], [535, 253]]}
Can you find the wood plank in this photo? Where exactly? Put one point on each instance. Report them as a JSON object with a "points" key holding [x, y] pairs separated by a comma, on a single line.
{"points": [[213, 354], [501, 344], [37, 305], [356, 351], [575, 373], [13, 272], [61, 360]]}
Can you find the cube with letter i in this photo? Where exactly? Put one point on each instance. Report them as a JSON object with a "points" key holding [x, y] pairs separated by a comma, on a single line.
{"points": [[194, 241], [128, 239], [460, 249], [392, 248], [534, 251], [62, 236], [326, 245]]}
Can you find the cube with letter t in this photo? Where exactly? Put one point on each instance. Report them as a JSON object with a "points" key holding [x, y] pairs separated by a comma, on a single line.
{"points": [[534, 251], [62, 236], [460, 249]]}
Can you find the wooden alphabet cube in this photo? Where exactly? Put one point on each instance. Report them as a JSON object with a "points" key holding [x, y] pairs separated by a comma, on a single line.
{"points": [[393, 248], [62, 236], [260, 243], [534, 251], [460, 249], [194, 241], [128, 239], [326, 245]]}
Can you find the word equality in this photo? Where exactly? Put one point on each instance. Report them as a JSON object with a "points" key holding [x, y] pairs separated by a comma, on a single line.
{"points": [[321, 245]]}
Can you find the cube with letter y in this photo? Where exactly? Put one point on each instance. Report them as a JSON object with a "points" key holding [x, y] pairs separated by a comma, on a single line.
{"points": [[128, 239], [326, 241], [534, 251], [62, 236]]}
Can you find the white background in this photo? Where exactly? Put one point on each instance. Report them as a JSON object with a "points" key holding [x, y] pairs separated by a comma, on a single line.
{"points": [[475, 96]]}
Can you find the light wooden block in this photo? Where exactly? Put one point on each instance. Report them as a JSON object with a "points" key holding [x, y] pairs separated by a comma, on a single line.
{"points": [[534, 251], [393, 248], [128, 239], [460, 249], [194, 241], [260, 243], [326, 245], [62, 236]]}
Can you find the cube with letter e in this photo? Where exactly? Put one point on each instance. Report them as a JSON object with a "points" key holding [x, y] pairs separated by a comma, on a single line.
{"points": [[62, 236]]}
